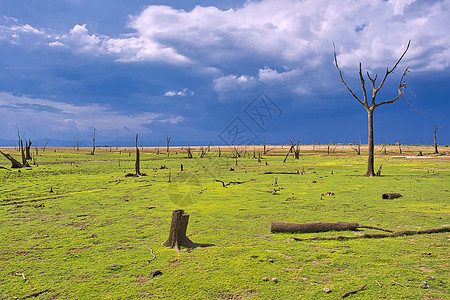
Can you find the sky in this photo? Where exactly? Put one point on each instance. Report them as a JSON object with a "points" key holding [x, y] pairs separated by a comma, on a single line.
{"points": [[221, 72]]}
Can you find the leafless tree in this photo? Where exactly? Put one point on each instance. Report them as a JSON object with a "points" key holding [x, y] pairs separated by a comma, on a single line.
{"points": [[28, 149], [189, 151], [93, 141], [370, 108], [167, 144], [77, 140], [20, 136], [358, 148], [45, 145], [436, 127]]}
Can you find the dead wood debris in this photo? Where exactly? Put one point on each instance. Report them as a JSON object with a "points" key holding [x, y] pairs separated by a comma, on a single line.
{"points": [[368, 236], [20, 274], [353, 292], [154, 257], [35, 294], [399, 284], [391, 195], [232, 182]]}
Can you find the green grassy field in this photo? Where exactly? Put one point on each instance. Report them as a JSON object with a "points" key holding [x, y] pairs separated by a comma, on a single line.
{"points": [[90, 238]]}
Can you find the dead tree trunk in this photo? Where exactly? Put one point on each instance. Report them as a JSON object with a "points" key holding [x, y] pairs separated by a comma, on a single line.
{"points": [[24, 160], [264, 146], [93, 142], [138, 159], [177, 235], [14, 162], [137, 165], [189, 152], [297, 150], [45, 145], [77, 141], [358, 148], [311, 227], [28, 149], [167, 144], [399, 147], [435, 139]]}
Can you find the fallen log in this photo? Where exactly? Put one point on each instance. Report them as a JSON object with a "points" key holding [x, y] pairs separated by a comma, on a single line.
{"points": [[14, 162], [391, 195], [382, 235], [311, 227]]}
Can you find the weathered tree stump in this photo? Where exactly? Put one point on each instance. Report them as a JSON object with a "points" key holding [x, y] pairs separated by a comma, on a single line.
{"points": [[311, 227], [178, 228], [391, 195]]}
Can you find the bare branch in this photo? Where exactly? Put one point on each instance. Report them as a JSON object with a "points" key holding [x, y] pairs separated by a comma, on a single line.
{"points": [[398, 61], [401, 91], [363, 84], [342, 78], [393, 68]]}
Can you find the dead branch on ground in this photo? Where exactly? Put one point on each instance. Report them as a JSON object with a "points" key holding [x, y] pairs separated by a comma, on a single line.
{"points": [[353, 292], [368, 236]]}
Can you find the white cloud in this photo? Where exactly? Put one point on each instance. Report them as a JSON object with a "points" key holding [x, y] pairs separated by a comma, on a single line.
{"points": [[268, 75], [183, 92], [56, 44], [301, 32], [27, 28], [62, 118], [233, 83]]}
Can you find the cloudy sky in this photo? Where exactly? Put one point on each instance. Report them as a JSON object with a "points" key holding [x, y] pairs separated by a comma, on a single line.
{"points": [[221, 72]]}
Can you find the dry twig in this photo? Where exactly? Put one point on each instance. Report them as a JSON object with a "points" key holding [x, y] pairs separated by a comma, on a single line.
{"points": [[35, 294], [151, 251], [21, 274], [353, 292], [399, 283]]}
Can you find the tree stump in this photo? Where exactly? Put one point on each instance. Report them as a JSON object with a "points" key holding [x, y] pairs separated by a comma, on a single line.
{"points": [[177, 234]]}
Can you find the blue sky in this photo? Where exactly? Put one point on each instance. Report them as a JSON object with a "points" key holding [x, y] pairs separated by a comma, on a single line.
{"points": [[200, 71]]}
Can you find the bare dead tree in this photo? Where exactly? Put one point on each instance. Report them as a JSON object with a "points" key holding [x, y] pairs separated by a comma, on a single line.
{"points": [[137, 165], [24, 159], [436, 127], [293, 150], [45, 144], [328, 148], [236, 152], [77, 141], [28, 149], [20, 137], [167, 144], [189, 151], [297, 150], [219, 152], [264, 146], [358, 148], [93, 142], [399, 147], [370, 108], [203, 151]]}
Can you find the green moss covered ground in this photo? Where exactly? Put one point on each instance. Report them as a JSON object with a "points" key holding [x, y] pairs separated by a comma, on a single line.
{"points": [[91, 237]]}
